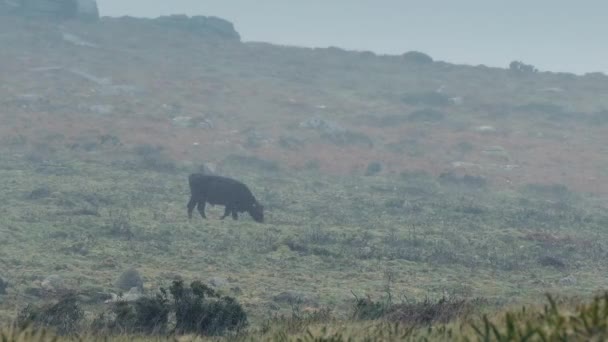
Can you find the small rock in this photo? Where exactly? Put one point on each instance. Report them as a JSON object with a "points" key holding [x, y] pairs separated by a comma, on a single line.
{"points": [[182, 121], [53, 283], [217, 281], [74, 39], [568, 281], [322, 125], [129, 279], [498, 152], [101, 109], [552, 90], [25, 99], [485, 129], [120, 89], [205, 123], [458, 100], [131, 296]]}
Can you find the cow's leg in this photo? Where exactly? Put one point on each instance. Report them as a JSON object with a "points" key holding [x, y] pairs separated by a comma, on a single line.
{"points": [[235, 215], [191, 205], [201, 208], [227, 211]]}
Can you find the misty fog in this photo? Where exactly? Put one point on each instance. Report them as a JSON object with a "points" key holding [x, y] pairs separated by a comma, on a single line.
{"points": [[292, 171]]}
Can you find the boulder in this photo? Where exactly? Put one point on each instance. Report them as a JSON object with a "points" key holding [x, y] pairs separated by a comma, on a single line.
{"points": [[56, 9]]}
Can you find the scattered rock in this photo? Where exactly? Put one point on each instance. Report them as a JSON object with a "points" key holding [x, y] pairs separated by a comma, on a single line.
{"points": [[53, 283], [552, 90], [129, 279], [458, 100], [498, 152], [568, 281], [119, 89], [75, 40], [322, 125], [101, 109], [182, 121], [205, 123], [200, 25], [217, 281], [132, 295], [485, 129], [55, 9], [256, 139]]}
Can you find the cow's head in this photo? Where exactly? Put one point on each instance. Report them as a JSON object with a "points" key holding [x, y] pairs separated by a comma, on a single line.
{"points": [[257, 212]]}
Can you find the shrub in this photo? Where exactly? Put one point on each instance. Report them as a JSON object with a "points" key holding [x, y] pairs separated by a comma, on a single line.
{"points": [[144, 315], [520, 67], [197, 309], [64, 316], [373, 168], [586, 323], [200, 310], [425, 313], [153, 158]]}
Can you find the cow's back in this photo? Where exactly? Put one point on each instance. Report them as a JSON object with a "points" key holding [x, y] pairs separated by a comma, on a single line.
{"points": [[220, 190]]}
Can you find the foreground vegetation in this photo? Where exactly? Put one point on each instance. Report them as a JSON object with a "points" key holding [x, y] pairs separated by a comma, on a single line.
{"points": [[566, 320]]}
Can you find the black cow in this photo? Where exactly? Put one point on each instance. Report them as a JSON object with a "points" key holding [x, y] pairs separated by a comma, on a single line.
{"points": [[229, 192]]}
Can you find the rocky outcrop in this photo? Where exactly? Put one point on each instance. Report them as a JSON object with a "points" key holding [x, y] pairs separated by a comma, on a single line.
{"points": [[55, 9]]}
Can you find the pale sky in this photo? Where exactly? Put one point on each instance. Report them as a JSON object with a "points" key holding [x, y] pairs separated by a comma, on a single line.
{"points": [[553, 35]]}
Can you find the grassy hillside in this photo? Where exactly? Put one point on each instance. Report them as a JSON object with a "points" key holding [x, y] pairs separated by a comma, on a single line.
{"points": [[481, 182]]}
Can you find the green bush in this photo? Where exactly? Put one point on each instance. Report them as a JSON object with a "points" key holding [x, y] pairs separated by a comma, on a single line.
{"points": [[64, 317], [200, 310]]}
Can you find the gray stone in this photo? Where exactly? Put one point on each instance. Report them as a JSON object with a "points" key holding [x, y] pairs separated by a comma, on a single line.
{"points": [[132, 295], [53, 283], [217, 281], [182, 121], [568, 281], [56, 9], [129, 279], [322, 125], [101, 109], [75, 40]]}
